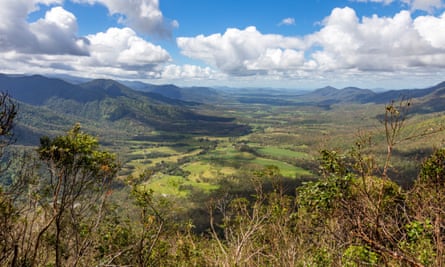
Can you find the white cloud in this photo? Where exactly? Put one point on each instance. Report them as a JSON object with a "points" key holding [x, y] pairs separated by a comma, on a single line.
{"points": [[143, 16], [187, 71], [50, 45], [14, 31], [53, 34], [427, 5], [276, 59], [287, 21], [123, 48], [432, 30], [345, 46], [375, 43], [56, 33], [242, 52], [116, 53]]}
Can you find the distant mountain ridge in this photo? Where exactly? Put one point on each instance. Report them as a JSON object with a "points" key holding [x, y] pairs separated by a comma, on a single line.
{"points": [[49, 104], [191, 94], [333, 95], [171, 94], [108, 104], [37, 89]]}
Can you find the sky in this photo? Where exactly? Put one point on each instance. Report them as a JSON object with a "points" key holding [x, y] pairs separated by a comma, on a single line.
{"points": [[308, 44]]}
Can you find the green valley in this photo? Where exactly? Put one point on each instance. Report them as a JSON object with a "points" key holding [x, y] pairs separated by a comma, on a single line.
{"points": [[199, 143]]}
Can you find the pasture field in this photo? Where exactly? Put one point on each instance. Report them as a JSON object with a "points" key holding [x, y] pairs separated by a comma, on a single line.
{"points": [[287, 137]]}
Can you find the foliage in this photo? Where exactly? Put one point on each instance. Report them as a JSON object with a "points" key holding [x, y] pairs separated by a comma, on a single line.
{"points": [[57, 213], [433, 170], [359, 256], [426, 200], [8, 113], [77, 151], [419, 241]]}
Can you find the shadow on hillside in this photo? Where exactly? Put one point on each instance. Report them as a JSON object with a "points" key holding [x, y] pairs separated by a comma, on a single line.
{"points": [[407, 165], [431, 106], [230, 189], [205, 128]]}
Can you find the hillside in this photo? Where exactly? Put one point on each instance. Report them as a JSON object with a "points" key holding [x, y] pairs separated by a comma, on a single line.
{"points": [[191, 94], [330, 95], [37, 89], [434, 101], [108, 106]]}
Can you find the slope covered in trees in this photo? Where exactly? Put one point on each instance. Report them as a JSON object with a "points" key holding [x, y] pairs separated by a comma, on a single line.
{"points": [[108, 106]]}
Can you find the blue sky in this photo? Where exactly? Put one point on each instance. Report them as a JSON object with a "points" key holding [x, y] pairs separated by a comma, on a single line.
{"points": [[240, 43]]}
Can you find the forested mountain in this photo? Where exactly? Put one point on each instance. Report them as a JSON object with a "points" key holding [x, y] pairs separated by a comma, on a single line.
{"points": [[51, 104], [330, 95], [194, 94], [334, 95], [103, 105], [37, 89]]}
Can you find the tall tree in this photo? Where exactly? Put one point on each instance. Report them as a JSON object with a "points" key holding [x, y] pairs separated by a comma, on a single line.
{"points": [[79, 177], [8, 113]]}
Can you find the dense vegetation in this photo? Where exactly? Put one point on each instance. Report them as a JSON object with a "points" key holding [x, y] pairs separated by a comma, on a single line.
{"points": [[302, 188]]}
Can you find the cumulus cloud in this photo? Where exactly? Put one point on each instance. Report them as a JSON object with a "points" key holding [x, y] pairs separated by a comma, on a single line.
{"points": [[375, 43], [187, 71], [144, 16], [276, 59], [116, 53], [432, 30], [50, 45], [124, 49], [56, 33], [287, 21], [243, 52], [14, 31], [345, 44], [53, 34], [427, 5]]}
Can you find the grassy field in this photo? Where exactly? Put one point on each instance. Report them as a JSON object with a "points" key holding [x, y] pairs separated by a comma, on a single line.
{"points": [[278, 152], [288, 137]]}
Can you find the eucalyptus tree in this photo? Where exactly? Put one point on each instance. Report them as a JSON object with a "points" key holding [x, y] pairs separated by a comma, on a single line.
{"points": [[79, 177]]}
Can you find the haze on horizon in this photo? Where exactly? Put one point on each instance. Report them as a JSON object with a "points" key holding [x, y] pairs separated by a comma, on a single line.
{"points": [[283, 44]]}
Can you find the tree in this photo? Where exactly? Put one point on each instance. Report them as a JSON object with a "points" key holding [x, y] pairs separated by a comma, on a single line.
{"points": [[79, 177], [8, 113], [426, 202], [8, 213]]}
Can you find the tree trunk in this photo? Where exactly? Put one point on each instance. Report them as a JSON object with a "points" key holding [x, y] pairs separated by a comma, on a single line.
{"points": [[57, 243]]}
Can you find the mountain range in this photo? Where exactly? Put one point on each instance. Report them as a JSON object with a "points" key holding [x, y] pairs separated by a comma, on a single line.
{"points": [[50, 105], [430, 99]]}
